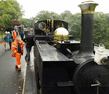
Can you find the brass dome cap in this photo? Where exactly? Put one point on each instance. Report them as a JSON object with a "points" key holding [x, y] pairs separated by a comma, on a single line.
{"points": [[61, 34]]}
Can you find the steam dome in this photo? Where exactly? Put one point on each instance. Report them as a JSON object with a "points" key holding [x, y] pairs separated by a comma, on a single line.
{"points": [[61, 34]]}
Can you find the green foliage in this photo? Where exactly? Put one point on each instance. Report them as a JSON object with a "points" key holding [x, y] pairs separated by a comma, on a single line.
{"points": [[101, 30], [76, 26], [9, 11], [66, 16], [16, 8], [43, 15], [25, 22], [2, 34], [106, 39]]}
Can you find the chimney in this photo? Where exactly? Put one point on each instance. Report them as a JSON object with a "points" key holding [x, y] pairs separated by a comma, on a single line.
{"points": [[87, 26]]}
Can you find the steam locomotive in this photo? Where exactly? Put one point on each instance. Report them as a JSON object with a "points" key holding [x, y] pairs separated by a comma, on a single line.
{"points": [[66, 66]]}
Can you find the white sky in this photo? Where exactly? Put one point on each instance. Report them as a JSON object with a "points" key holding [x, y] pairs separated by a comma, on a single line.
{"points": [[32, 7]]}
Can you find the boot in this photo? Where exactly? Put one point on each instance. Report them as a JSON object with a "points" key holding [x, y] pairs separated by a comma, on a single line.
{"points": [[19, 67], [16, 66]]}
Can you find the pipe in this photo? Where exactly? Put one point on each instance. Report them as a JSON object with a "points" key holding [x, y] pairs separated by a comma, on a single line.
{"points": [[87, 25]]}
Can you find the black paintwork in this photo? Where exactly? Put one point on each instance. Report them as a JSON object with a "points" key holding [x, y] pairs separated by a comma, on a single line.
{"points": [[40, 32], [86, 48], [58, 64], [53, 67]]}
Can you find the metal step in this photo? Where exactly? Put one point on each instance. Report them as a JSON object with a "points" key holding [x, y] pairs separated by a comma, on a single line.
{"points": [[69, 83]]}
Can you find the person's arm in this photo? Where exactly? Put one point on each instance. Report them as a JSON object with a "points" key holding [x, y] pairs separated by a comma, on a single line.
{"points": [[33, 40], [5, 37], [12, 33], [25, 39], [13, 48], [22, 47], [10, 36]]}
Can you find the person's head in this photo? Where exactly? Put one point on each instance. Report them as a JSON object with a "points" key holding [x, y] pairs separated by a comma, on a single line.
{"points": [[13, 30], [6, 32], [17, 38], [25, 29], [30, 33]]}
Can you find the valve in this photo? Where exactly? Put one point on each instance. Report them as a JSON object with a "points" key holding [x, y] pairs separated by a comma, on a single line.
{"points": [[98, 84]]}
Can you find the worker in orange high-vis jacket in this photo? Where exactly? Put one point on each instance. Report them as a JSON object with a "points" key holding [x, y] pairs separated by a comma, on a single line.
{"points": [[17, 51], [14, 34]]}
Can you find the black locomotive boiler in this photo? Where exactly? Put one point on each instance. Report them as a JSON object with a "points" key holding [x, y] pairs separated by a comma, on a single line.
{"points": [[66, 66]]}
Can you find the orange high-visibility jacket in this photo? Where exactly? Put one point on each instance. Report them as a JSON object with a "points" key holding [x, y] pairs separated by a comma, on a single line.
{"points": [[14, 35], [14, 47]]}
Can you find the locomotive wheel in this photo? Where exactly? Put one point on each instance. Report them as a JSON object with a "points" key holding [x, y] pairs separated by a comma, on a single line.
{"points": [[87, 74]]}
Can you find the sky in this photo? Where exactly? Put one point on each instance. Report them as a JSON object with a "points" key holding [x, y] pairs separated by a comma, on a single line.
{"points": [[32, 7]]}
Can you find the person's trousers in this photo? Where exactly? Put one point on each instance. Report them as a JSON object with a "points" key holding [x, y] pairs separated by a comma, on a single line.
{"points": [[13, 40], [18, 56], [21, 37], [6, 45], [28, 53], [10, 45]]}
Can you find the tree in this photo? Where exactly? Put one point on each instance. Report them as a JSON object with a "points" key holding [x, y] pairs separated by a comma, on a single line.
{"points": [[18, 9], [43, 15], [75, 24], [67, 16], [100, 27], [9, 10], [25, 22]]}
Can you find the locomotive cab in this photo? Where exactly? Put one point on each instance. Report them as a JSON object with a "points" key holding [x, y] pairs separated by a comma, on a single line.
{"points": [[49, 26]]}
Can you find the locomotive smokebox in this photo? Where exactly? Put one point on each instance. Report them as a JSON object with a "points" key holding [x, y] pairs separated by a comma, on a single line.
{"points": [[87, 26]]}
